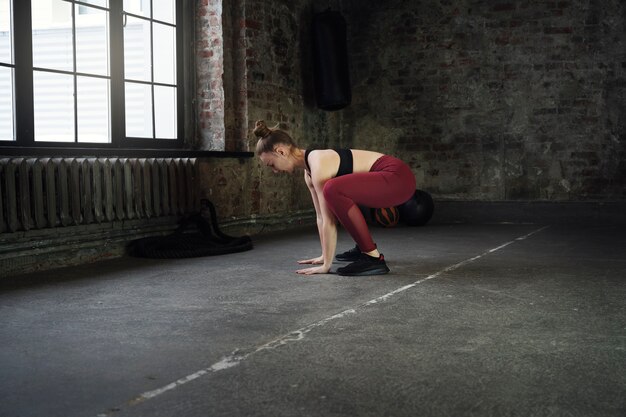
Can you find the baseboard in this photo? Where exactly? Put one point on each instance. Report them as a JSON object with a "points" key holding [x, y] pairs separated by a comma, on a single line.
{"points": [[261, 224], [539, 212], [44, 249]]}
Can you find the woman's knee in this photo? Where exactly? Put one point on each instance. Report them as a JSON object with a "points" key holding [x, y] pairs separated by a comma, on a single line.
{"points": [[330, 190]]}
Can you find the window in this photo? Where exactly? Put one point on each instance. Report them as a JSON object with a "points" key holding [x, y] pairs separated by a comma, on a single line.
{"points": [[7, 73], [91, 73]]}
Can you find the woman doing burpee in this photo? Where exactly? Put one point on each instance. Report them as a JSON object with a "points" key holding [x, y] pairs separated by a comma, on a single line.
{"points": [[340, 180]]}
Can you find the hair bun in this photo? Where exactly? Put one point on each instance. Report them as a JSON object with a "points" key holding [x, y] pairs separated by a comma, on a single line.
{"points": [[261, 130]]}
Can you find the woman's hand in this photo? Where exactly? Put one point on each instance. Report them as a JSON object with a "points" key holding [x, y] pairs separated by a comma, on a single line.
{"points": [[315, 270], [314, 261]]}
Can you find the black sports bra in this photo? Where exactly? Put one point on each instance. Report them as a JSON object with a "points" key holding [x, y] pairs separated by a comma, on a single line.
{"points": [[345, 161]]}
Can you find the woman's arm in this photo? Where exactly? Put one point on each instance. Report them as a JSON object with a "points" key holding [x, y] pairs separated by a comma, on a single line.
{"points": [[322, 171], [318, 217], [328, 237]]}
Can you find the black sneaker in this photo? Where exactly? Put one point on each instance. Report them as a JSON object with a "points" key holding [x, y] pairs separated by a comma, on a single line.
{"points": [[349, 256], [366, 265]]}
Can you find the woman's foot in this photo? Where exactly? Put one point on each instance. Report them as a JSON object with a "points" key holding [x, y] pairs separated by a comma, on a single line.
{"points": [[350, 255], [365, 265]]}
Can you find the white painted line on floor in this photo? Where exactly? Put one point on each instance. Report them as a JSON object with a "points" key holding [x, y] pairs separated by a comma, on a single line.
{"points": [[236, 357], [450, 268]]}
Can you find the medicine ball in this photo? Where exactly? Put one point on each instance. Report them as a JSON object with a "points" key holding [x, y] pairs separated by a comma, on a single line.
{"points": [[418, 209], [386, 217]]}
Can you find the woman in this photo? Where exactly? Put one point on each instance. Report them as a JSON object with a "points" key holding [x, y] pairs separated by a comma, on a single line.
{"points": [[339, 181]]}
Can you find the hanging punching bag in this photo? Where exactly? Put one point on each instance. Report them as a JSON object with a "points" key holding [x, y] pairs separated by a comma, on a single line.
{"points": [[330, 57]]}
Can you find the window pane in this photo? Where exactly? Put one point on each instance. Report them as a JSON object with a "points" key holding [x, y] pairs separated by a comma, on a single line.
{"points": [[93, 110], [52, 35], [138, 7], [5, 32], [137, 56], [6, 104], [165, 112], [92, 45], [101, 3], [138, 110], [53, 106], [164, 10], [164, 54]]}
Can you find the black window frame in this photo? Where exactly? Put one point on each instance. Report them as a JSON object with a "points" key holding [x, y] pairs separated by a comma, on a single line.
{"points": [[23, 86]]}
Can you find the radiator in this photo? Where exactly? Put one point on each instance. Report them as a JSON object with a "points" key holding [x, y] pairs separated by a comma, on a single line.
{"points": [[38, 193]]}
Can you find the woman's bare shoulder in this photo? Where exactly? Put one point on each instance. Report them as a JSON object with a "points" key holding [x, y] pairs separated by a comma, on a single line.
{"points": [[324, 164], [322, 156]]}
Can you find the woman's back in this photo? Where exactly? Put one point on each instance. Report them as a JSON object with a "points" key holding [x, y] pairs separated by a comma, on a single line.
{"points": [[362, 160]]}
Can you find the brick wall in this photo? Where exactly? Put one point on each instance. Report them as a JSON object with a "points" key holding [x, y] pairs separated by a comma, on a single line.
{"points": [[259, 60], [210, 92], [502, 100], [277, 35]]}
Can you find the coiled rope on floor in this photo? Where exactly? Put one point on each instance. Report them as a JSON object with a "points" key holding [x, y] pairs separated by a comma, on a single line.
{"points": [[207, 240]]}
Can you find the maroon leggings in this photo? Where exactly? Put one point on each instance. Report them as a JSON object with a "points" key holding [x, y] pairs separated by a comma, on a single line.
{"points": [[389, 183]]}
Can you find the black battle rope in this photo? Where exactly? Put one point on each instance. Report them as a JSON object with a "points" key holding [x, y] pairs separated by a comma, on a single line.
{"points": [[208, 240]]}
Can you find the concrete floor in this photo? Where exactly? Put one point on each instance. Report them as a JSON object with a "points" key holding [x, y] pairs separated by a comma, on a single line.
{"points": [[474, 320]]}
